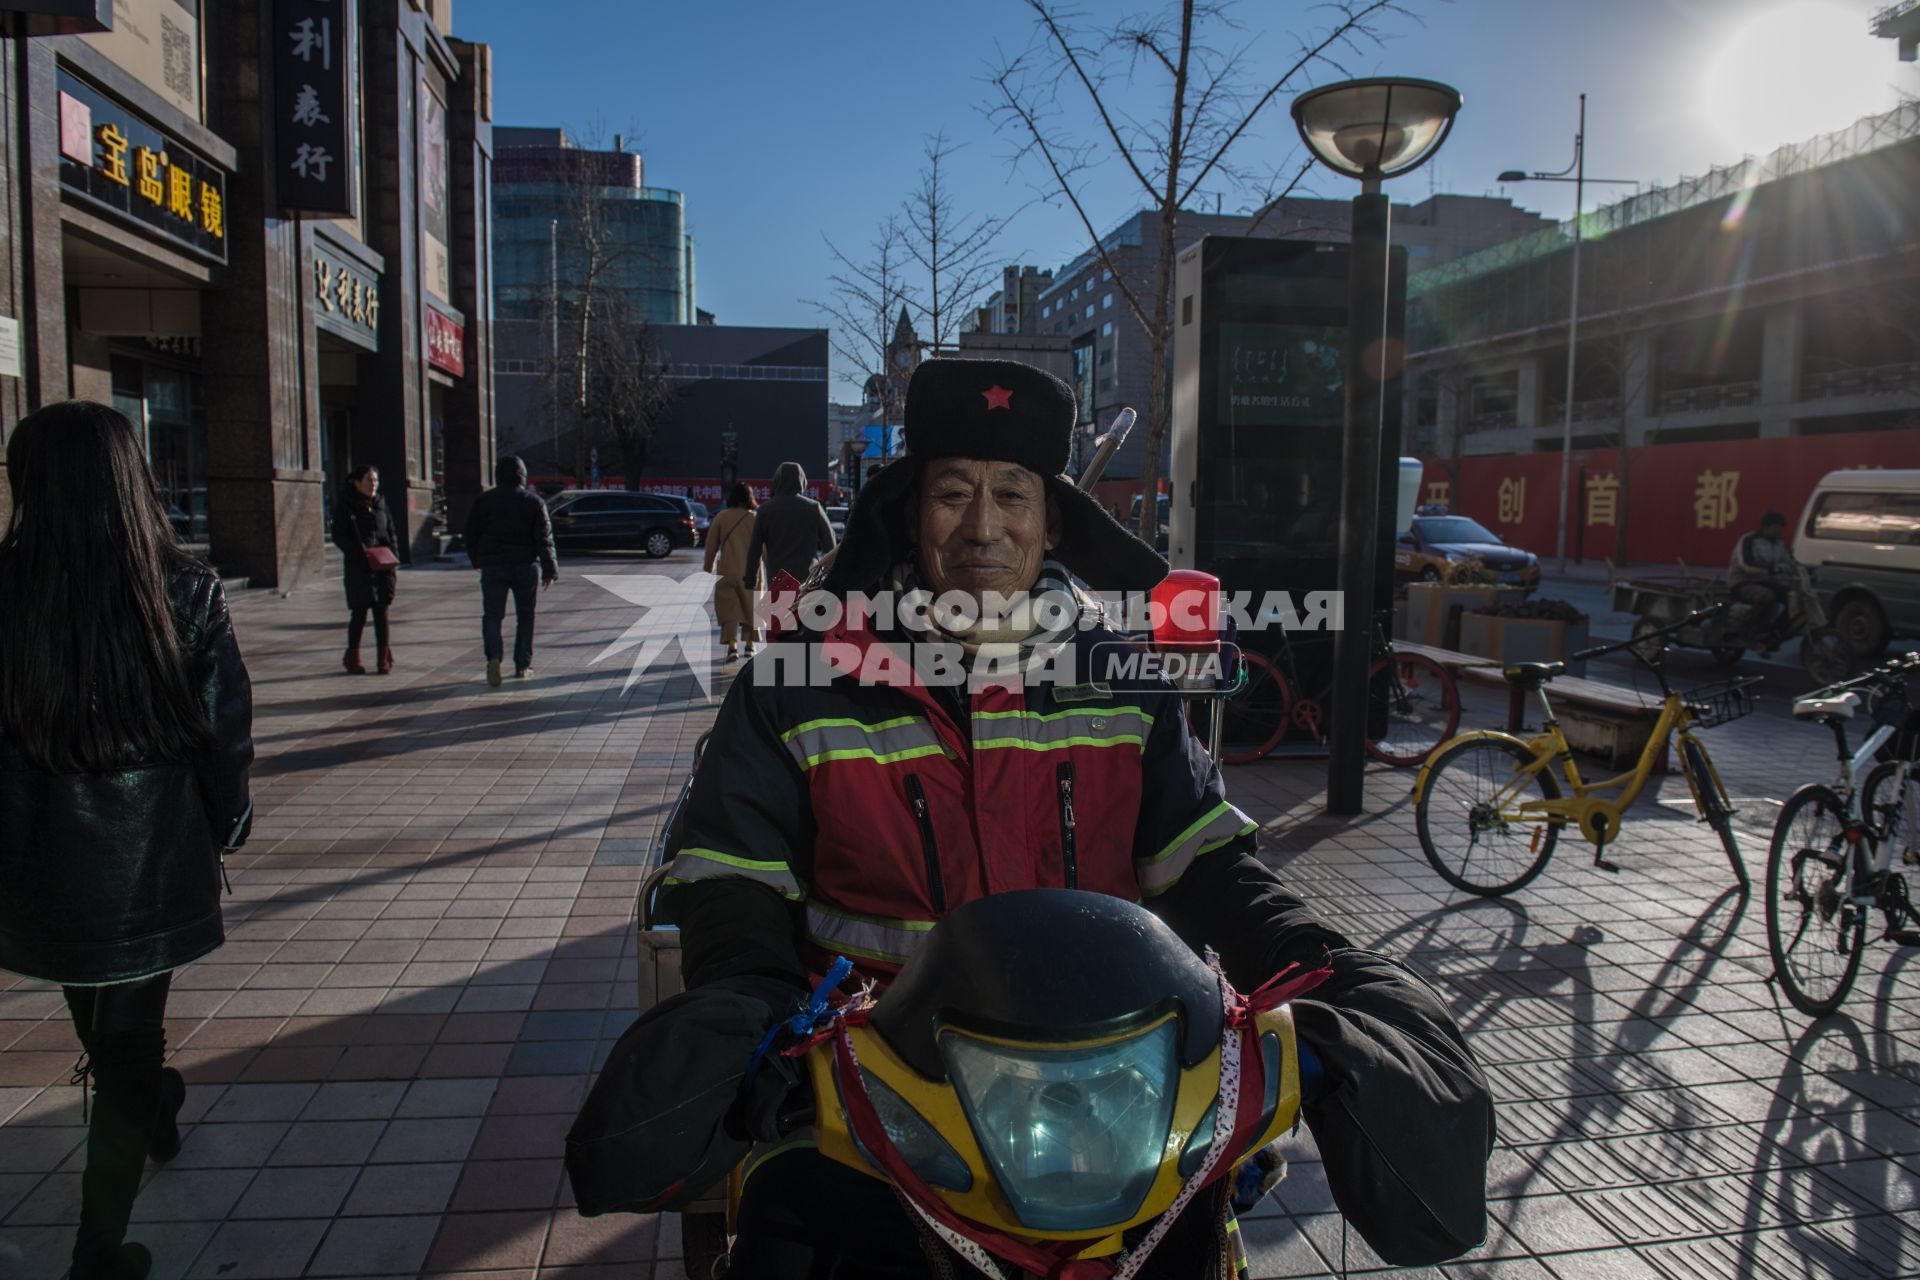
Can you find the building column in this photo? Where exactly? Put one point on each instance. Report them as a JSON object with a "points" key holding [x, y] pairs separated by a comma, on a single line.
{"points": [[259, 368], [469, 434], [1527, 403], [1780, 343], [1637, 391], [387, 431]]}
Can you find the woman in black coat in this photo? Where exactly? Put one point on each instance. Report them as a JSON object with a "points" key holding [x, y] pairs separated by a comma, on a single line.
{"points": [[125, 740], [361, 522]]}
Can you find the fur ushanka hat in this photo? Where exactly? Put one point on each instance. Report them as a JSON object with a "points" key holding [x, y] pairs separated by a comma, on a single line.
{"points": [[998, 411]]}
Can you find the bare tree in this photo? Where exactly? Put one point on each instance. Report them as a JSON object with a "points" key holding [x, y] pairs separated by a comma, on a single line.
{"points": [[598, 266], [952, 248], [1209, 104], [865, 305], [626, 392]]}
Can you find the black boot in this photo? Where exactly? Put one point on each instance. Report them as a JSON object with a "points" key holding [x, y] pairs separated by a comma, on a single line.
{"points": [[128, 1262], [128, 1091], [166, 1125]]}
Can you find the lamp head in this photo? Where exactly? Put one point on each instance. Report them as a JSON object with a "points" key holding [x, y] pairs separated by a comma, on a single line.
{"points": [[1513, 175], [1376, 128]]}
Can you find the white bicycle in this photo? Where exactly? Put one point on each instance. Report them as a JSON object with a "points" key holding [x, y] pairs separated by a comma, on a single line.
{"points": [[1830, 865]]}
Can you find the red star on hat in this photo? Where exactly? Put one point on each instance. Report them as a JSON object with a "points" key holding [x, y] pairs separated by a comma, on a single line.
{"points": [[998, 397]]}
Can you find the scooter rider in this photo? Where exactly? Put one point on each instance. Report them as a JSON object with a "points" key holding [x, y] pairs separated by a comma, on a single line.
{"points": [[1761, 573], [845, 816]]}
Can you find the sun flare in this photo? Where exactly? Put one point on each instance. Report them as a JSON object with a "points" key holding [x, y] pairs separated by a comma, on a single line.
{"points": [[1795, 70]]}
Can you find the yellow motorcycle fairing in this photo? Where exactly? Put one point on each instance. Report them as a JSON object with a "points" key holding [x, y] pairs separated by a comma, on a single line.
{"points": [[938, 1103]]}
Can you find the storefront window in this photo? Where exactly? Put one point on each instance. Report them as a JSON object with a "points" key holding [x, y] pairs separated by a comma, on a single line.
{"points": [[176, 441]]}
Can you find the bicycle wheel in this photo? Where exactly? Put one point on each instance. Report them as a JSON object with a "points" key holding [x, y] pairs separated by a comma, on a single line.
{"points": [[1256, 716], [1470, 821], [1423, 707], [1813, 933], [1711, 796], [1886, 808]]}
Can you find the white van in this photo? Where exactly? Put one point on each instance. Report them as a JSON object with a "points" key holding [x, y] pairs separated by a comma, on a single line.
{"points": [[1860, 534]]}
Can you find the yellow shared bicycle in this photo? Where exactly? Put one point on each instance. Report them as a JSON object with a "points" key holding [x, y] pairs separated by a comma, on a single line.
{"points": [[1490, 806]]}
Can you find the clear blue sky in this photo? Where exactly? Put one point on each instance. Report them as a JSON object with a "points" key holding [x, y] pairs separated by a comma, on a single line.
{"points": [[785, 122]]}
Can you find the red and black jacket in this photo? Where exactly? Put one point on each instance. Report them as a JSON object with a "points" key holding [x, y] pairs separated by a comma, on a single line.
{"points": [[879, 808]]}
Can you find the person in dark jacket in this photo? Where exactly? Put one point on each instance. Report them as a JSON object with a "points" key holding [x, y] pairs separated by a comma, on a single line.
{"points": [[510, 538], [361, 522], [790, 529], [846, 818], [125, 741]]}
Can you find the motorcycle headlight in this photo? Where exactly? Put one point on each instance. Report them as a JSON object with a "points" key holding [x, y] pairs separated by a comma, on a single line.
{"points": [[1075, 1136]]}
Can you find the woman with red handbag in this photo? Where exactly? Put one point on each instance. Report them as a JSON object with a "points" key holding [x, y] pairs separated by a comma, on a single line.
{"points": [[363, 530]]}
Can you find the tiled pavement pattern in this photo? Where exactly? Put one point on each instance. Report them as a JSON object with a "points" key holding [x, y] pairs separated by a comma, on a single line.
{"points": [[431, 949]]}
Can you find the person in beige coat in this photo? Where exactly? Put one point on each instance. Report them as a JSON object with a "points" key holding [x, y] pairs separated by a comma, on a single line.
{"points": [[729, 538]]}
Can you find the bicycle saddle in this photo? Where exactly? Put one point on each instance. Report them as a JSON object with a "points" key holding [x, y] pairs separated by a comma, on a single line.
{"points": [[1840, 708], [1531, 675]]}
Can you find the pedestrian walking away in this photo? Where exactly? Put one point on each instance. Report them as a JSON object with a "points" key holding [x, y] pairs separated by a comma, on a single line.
{"points": [[125, 741], [363, 530], [790, 529], [510, 541], [729, 538]]}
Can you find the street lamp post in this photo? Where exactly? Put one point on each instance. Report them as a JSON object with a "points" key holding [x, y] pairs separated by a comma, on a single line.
{"points": [[1579, 180], [1370, 130]]}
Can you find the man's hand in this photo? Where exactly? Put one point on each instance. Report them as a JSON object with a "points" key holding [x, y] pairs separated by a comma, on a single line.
{"points": [[547, 580]]}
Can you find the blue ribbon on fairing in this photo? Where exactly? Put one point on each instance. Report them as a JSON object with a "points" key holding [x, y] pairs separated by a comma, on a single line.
{"points": [[804, 1023]]}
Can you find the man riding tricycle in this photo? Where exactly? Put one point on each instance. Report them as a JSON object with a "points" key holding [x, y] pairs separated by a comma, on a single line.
{"points": [[1769, 598]]}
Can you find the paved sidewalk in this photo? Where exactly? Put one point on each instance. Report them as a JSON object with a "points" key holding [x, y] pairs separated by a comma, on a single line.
{"points": [[431, 949]]}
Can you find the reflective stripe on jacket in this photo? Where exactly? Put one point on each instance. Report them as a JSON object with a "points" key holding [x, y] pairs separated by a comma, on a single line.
{"points": [[880, 808]]}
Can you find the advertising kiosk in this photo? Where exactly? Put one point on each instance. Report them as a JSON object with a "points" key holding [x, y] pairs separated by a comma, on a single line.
{"points": [[1259, 397]]}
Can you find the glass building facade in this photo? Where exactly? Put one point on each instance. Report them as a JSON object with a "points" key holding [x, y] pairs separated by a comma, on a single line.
{"points": [[541, 183]]}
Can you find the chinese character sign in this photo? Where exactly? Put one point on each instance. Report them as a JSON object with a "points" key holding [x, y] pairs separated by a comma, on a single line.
{"points": [[1603, 499], [112, 157], [1513, 500], [346, 298], [1715, 501], [446, 343], [314, 158]]}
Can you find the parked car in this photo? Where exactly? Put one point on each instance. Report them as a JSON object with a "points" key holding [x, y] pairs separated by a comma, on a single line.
{"points": [[837, 517], [1164, 509], [701, 518], [606, 520], [1436, 546], [1860, 538]]}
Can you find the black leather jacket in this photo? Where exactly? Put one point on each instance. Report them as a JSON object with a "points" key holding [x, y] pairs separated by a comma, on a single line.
{"points": [[110, 877]]}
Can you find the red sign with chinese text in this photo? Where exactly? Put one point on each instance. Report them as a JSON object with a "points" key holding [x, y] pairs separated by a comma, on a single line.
{"points": [[700, 488], [1689, 502], [446, 344]]}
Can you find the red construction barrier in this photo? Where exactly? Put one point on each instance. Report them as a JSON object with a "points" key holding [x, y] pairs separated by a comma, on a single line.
{"points": [[705, 489], [1688, 502]]}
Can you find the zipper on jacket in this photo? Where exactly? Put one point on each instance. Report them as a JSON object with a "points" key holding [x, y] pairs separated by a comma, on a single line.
{"points": [[922, 816], [1066, 825]]}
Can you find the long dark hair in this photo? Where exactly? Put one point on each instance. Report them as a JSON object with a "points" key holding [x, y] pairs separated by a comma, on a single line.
{"points": [[92, 676], [741, 496]]}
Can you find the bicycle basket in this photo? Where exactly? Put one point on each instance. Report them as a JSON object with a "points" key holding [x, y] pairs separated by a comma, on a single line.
{"points": [[1722, 701]]}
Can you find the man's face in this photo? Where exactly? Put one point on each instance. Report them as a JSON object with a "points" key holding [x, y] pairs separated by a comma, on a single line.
{"points": [[983, 526], [1773, 529]]}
